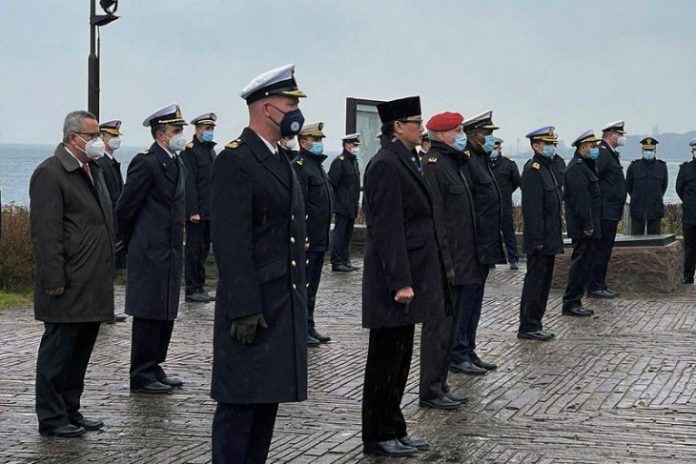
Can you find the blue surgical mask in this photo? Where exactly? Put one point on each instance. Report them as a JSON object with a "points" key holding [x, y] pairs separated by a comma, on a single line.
{"points": [[489, 143], [459, 143], [548, 151], [291, 124], [594, 153], [649, 155], [317, 148], [207, 136]]}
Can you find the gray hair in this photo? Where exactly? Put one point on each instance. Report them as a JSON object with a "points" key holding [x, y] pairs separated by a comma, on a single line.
{"points": [[73, 122], [433, 135]]}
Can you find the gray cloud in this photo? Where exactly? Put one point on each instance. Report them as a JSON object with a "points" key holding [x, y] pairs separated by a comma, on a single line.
{"points": [[574, 64]]}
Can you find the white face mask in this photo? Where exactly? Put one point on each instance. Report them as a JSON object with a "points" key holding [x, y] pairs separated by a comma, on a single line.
{"points": [[94, 149], [292, 145], [355, 151], [621, 141], [177, 142], [115, 143]]}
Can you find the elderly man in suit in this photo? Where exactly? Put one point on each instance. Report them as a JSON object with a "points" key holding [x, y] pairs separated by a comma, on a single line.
{"points": [[151, 218], [72, 233]]}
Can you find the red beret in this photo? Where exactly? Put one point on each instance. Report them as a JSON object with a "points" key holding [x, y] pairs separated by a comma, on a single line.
{"points": [[444, 121]]}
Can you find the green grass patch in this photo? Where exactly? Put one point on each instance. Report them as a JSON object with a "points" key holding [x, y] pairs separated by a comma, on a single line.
{"points": [[15, 299]]}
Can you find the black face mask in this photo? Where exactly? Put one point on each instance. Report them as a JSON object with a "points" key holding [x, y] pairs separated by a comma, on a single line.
{"points": [[291, 124]]}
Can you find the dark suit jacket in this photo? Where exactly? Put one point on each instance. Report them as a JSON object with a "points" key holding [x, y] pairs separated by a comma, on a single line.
{"points": [[198, 158], [258, 233], [318, 198], [582, 198], [444, 170], [403, 246], [686, 189], [542, 201], [151, 218], [345, 179], [646, 182], [612, 182], [72, 233]]}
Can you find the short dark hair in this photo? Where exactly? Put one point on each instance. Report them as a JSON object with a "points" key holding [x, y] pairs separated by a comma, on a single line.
{"points": [[158, 128], [388, 128]]}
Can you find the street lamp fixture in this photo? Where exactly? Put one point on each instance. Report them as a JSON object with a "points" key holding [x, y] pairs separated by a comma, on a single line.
{"points": [[96, 21]]}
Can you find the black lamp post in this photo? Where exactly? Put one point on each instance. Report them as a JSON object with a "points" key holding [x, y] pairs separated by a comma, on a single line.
{"points": [[96, 21]]}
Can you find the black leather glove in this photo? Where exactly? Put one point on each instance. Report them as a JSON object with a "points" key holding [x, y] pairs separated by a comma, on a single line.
{"points": [[244, 328]]}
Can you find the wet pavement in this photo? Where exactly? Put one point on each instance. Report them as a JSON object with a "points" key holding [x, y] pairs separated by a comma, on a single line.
{"points": [[615, 388]]}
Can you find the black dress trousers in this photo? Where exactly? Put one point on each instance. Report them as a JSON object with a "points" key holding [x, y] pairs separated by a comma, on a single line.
{"points": [[197, 249], [601, 256], [535, 291], [315, 261], [689, 250], [242, 433], [149, 346], [386, 373], [340, 239], [581, 265], [64, 353]]}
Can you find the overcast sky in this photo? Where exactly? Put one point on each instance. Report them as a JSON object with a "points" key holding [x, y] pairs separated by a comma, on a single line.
{"points": [[573, 64]]}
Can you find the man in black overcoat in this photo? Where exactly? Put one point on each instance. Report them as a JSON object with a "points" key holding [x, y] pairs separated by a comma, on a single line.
{"points": [[317, 194], [258, 232], [507, 177], [686, 189], [444, 165], [72, 236], [150, 213], [612, 184], [111, 168], [542, 200], [646, 182], [198, 158], [404, 279], [345, 180], [488, 208], [583, 205]]}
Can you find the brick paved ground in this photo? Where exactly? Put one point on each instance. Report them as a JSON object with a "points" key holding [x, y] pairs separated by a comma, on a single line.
{"points": [[617, 388]]}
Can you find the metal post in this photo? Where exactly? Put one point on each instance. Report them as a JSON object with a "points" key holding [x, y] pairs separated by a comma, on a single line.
{"points": [[93, 66]]}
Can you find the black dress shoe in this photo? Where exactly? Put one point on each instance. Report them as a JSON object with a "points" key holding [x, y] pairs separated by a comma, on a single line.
{"points": [[197, 298], [578, 311], [353, 268], [461, 399], [514, 266], [439, 403], [341, 268], [467, 367], [420, 445], [154, 388], [64, 431], [550, 334], [484, 365], [88, 424], [117, 319], [390, 448], [602, 294], [322, 338], [688, 281], [172, 382], [311, 341], [535, 335]]}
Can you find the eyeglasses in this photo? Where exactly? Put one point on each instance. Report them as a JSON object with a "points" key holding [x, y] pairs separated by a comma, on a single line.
{"points": [[91, 135], [413, 121]]}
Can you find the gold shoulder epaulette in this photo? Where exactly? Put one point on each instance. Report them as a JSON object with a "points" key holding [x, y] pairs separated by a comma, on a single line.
{"points": [[432, 160], [189, 145], [535, 165], [467, 154], [234, 144], [341, 157], [299, 161]]}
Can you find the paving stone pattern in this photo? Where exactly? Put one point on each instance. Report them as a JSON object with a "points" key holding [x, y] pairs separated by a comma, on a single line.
{"points": [[615, 388]]}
